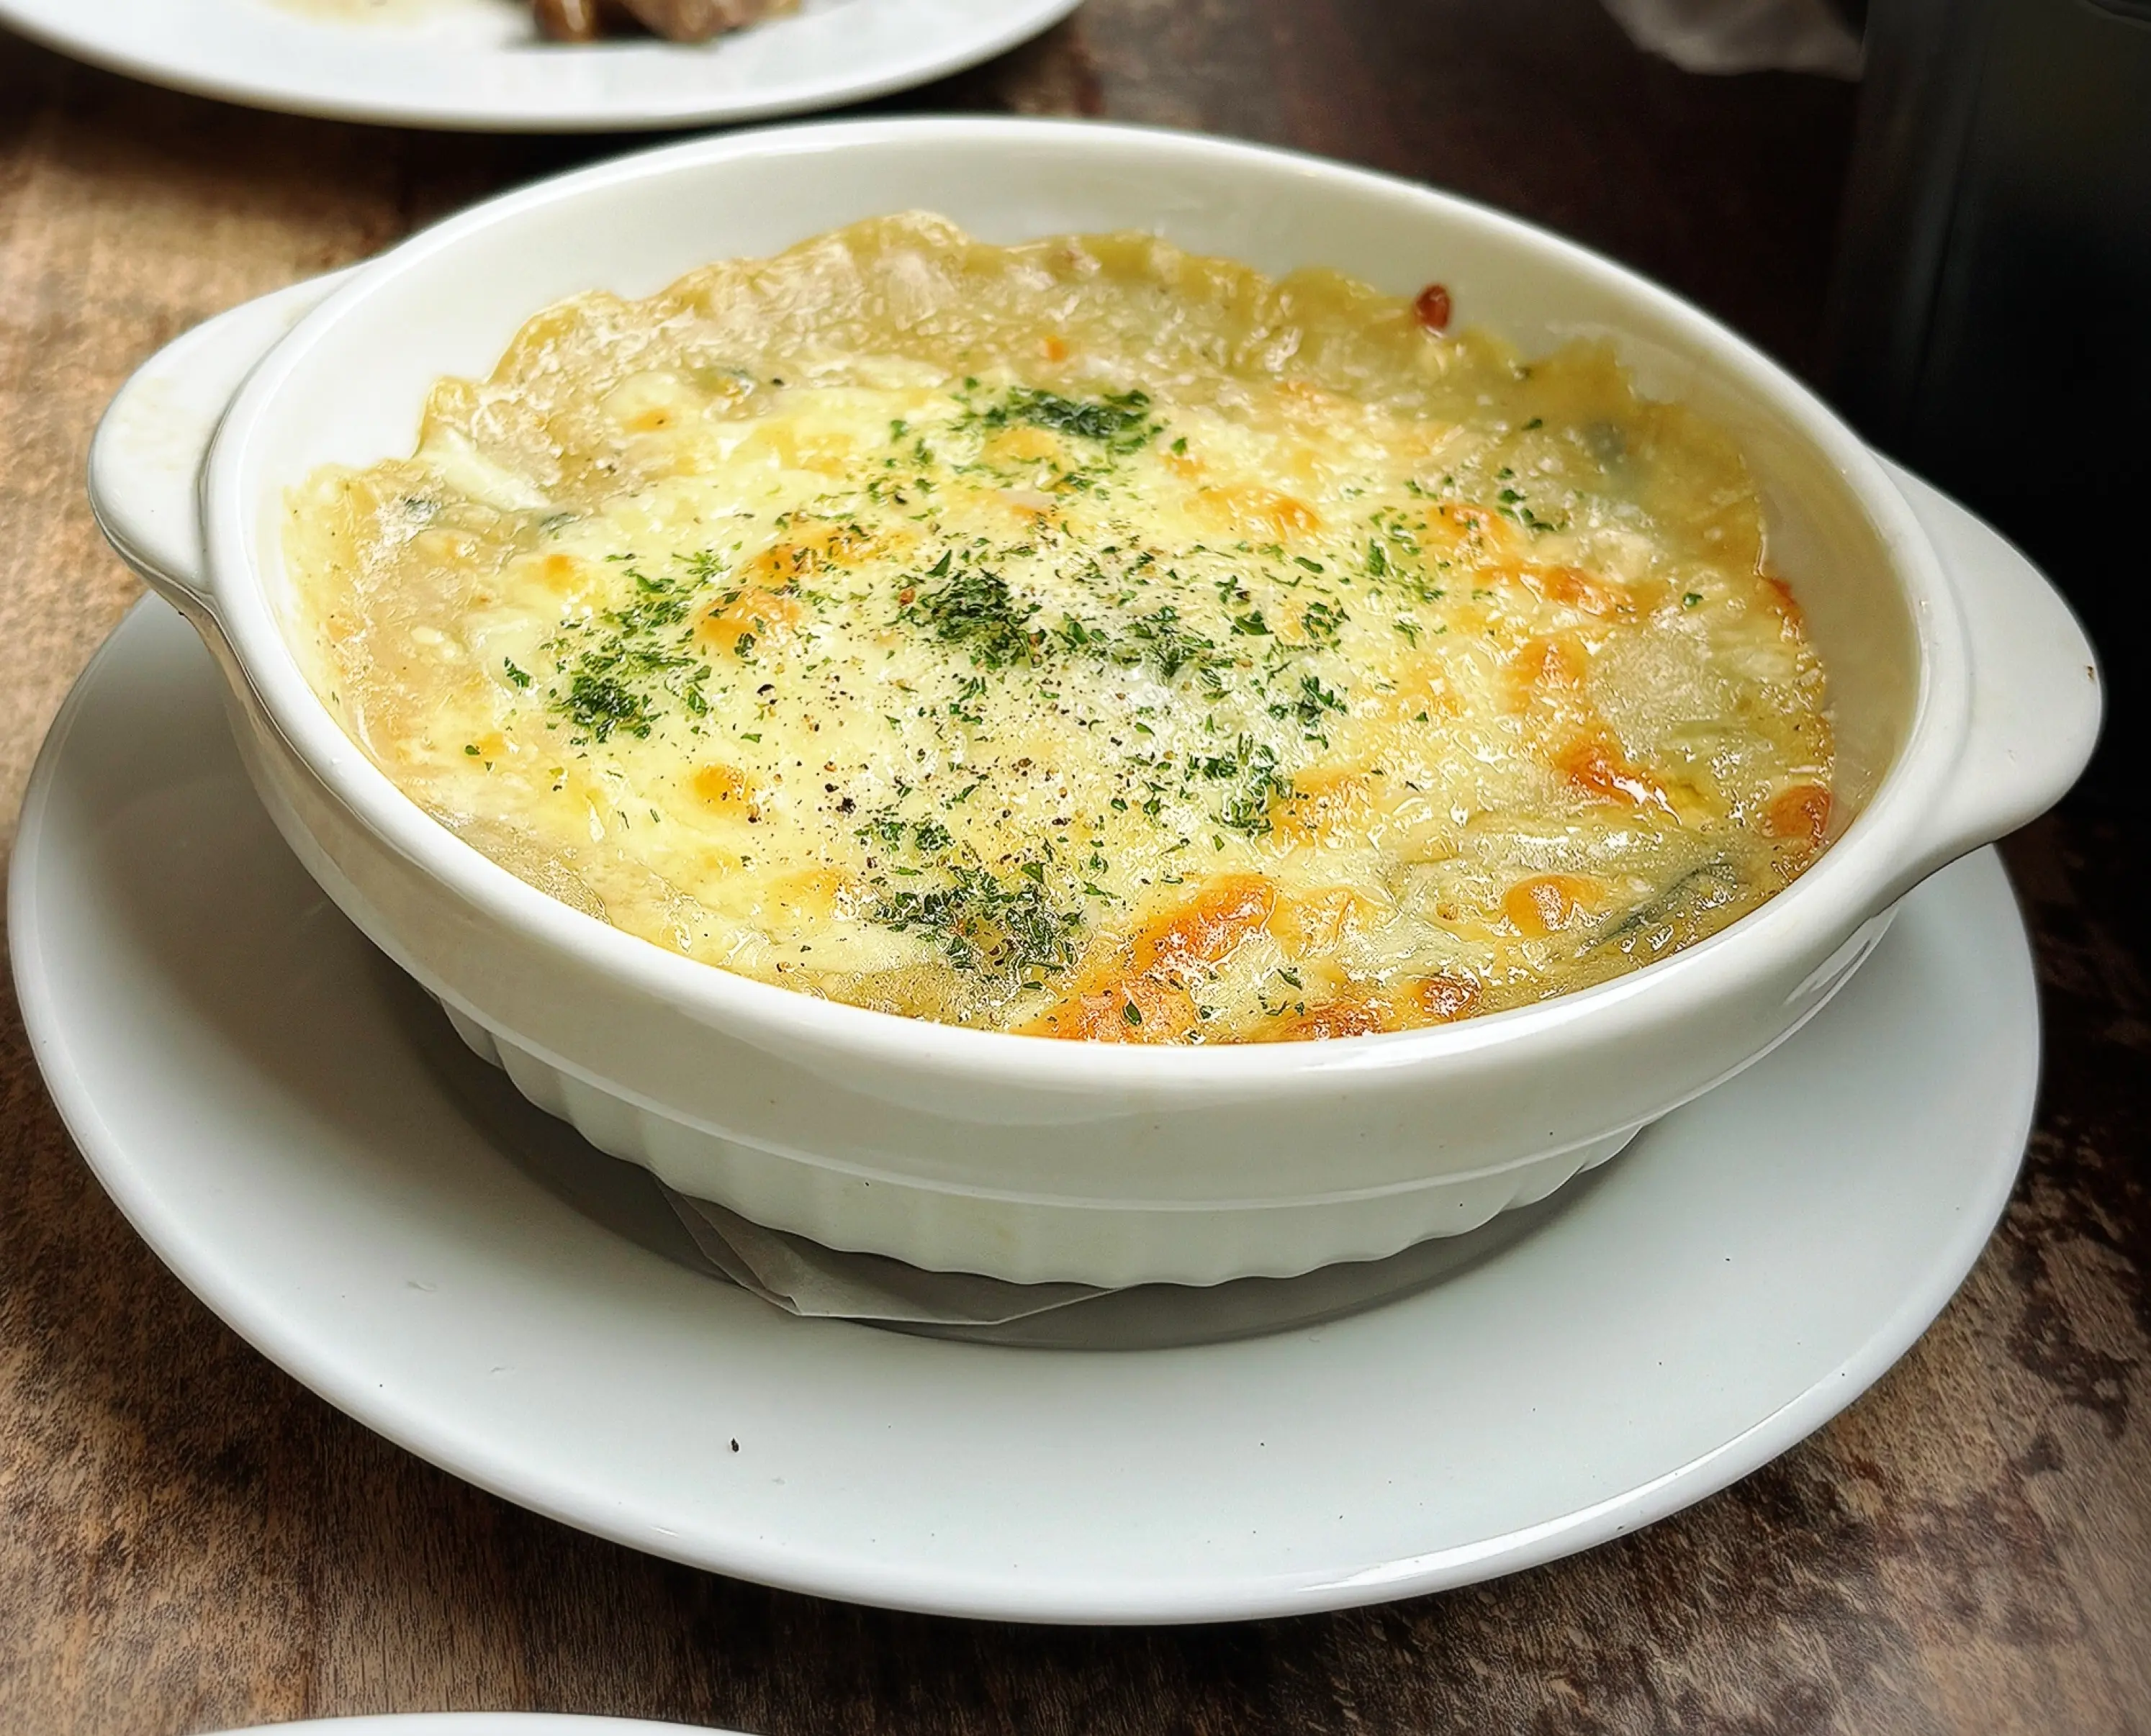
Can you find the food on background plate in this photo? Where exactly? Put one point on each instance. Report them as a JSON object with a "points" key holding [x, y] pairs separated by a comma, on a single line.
{"points": [[680, 21], [1081, 638]]}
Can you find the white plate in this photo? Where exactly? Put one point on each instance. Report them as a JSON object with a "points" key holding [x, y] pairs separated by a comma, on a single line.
{"points": [[478, 64], [268, 1101], [475, 1723]]}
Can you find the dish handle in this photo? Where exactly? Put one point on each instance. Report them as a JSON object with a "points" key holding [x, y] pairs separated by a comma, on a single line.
{"points": [[2036, 687], [145, 463]]}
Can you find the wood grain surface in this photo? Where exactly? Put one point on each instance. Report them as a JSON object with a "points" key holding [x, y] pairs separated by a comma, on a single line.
{"points": [[190, 1541]]}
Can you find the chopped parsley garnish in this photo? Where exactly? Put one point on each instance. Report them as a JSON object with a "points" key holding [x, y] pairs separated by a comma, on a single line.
{"points": [[973, 608], [1168, 645], [1321, 622], [1007, 928], [1310, 702], [621, 665], [1253, 765], [1120, 421], [963, 707], [598, 704]]}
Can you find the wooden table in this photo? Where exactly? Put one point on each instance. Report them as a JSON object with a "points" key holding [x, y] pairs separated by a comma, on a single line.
{"points": [[190, 1541]]}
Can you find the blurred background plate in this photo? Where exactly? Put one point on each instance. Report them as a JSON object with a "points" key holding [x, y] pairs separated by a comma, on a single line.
{"points": [[473, 1724], [479, 65]]}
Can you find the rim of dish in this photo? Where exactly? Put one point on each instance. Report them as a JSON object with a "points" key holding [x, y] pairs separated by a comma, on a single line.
{"points": [[1875, 843]]}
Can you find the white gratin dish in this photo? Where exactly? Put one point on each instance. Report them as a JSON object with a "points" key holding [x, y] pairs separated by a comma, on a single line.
{"points": [[1964, 696]]}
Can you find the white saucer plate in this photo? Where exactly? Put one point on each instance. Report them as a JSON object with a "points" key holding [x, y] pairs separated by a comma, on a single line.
{"points": [[265, 1097], [476, 1724], [478, 65]]}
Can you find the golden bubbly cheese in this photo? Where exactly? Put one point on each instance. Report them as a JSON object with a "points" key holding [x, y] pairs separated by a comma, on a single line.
{"points": [[1079, 638]]}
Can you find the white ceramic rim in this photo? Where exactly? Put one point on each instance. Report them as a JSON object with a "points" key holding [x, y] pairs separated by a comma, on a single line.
{"points": [[77, 29], [1850, 874]]}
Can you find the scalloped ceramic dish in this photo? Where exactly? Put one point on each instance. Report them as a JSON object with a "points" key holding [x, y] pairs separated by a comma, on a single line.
{"points": [[1964, 696]]}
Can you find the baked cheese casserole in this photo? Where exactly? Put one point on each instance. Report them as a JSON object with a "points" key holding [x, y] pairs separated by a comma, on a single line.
{"points": [[1081, 638]]}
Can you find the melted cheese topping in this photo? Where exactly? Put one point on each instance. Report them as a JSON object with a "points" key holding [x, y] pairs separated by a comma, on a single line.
{"points": [[1079, 638]]}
